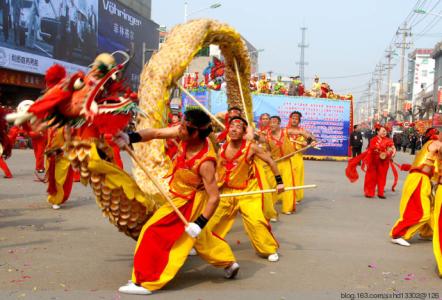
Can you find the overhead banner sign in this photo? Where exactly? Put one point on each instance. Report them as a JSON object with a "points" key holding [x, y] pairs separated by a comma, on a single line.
{"points": [[329, 120]]}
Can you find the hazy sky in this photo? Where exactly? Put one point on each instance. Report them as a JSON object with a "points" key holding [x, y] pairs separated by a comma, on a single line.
{"points": [[345, 37]]}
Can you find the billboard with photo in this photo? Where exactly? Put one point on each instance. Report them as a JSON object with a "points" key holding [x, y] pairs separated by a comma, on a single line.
{"points": [[123, 29], [35, 34], [38, 33]]}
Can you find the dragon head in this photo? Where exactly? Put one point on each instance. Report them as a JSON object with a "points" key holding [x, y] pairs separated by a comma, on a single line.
{"points": [[98, 97]]}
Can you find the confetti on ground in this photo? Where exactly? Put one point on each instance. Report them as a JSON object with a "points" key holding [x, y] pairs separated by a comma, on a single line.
{"points": [[372, 266], [409, 276], [238, 242]]}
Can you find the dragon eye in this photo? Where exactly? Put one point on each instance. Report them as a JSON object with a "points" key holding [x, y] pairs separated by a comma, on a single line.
{"points": [[78, 84]]}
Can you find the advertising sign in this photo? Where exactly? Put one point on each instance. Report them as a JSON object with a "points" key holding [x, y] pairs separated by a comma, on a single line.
{"points": [[123, 29], [201, 96], [329, 120], [37, 34]]}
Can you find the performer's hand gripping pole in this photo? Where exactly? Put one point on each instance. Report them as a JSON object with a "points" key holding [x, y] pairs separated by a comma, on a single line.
{"points": [[157, 184], [290, 188]]}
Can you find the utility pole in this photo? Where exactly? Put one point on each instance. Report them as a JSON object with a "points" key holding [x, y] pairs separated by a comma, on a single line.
{"points": [[403, 45], [370, 110], [388, 67], [302, 61], [379, 73]]}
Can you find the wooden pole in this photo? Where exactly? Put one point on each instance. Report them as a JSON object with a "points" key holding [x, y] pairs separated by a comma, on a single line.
{"points": [[290, 188], [157, 184], [200, 105], [293, 153], [235, 63]]}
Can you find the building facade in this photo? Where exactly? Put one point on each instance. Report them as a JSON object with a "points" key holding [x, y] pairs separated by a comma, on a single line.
{"points": [[420, 75], [143, 7]]}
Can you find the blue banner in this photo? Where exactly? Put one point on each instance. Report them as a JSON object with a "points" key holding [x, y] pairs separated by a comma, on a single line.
{"points": [[202, 96], [329, 120]]}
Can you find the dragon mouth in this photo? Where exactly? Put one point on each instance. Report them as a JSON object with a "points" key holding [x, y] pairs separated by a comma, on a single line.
{"points": [[106, 96]]}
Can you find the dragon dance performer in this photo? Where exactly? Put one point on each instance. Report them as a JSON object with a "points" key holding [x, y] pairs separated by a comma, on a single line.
{"points": [[172, 144], [38, 138], [59, 174], [265, 179], [233, 111], [300, 139], [163, 247], [280, 145], [237, 172], [5, 144], [437, 226], [377, 159], [416, 201], [264, 123]]}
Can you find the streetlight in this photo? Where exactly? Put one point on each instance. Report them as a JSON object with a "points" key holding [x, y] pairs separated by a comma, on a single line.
{"points": [[187, 14], [424, 12], [256, 51]]}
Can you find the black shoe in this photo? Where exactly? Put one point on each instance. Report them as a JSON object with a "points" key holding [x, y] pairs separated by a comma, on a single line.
{"points": [[382, 197], [366, 196]]}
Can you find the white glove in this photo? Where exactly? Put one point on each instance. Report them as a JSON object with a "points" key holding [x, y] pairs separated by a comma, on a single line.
{"points": [[121, 139], [193, 230]]}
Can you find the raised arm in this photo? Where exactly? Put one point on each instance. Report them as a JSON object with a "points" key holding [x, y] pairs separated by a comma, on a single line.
{"points": [[265, 156], [122, 139]]}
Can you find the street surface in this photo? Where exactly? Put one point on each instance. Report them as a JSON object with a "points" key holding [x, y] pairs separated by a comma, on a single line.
{"points": [[336, 243]]}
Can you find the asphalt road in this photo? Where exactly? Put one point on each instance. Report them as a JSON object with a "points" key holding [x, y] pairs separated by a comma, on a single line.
{"points": [[334, 247]]}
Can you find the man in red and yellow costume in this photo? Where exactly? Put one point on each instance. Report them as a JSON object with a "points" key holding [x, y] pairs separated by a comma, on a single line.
{"points": [[38, 138], [300, 139], [172, 144], [164, 241], [59, 173], [416, 201], [237, 173], [280, 145], [5, 144], [263, 85], [233, 111], [437, 226]]}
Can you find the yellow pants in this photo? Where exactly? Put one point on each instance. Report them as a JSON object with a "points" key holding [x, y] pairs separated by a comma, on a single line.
{"points": [[289, 197], [266, 180], [257, 227], [163, 245], [415, 208], [437, 237], [62, 169], [298, 170]]}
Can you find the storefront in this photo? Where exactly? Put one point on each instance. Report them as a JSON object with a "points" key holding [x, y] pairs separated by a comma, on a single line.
{"points": [[16, 86]]}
